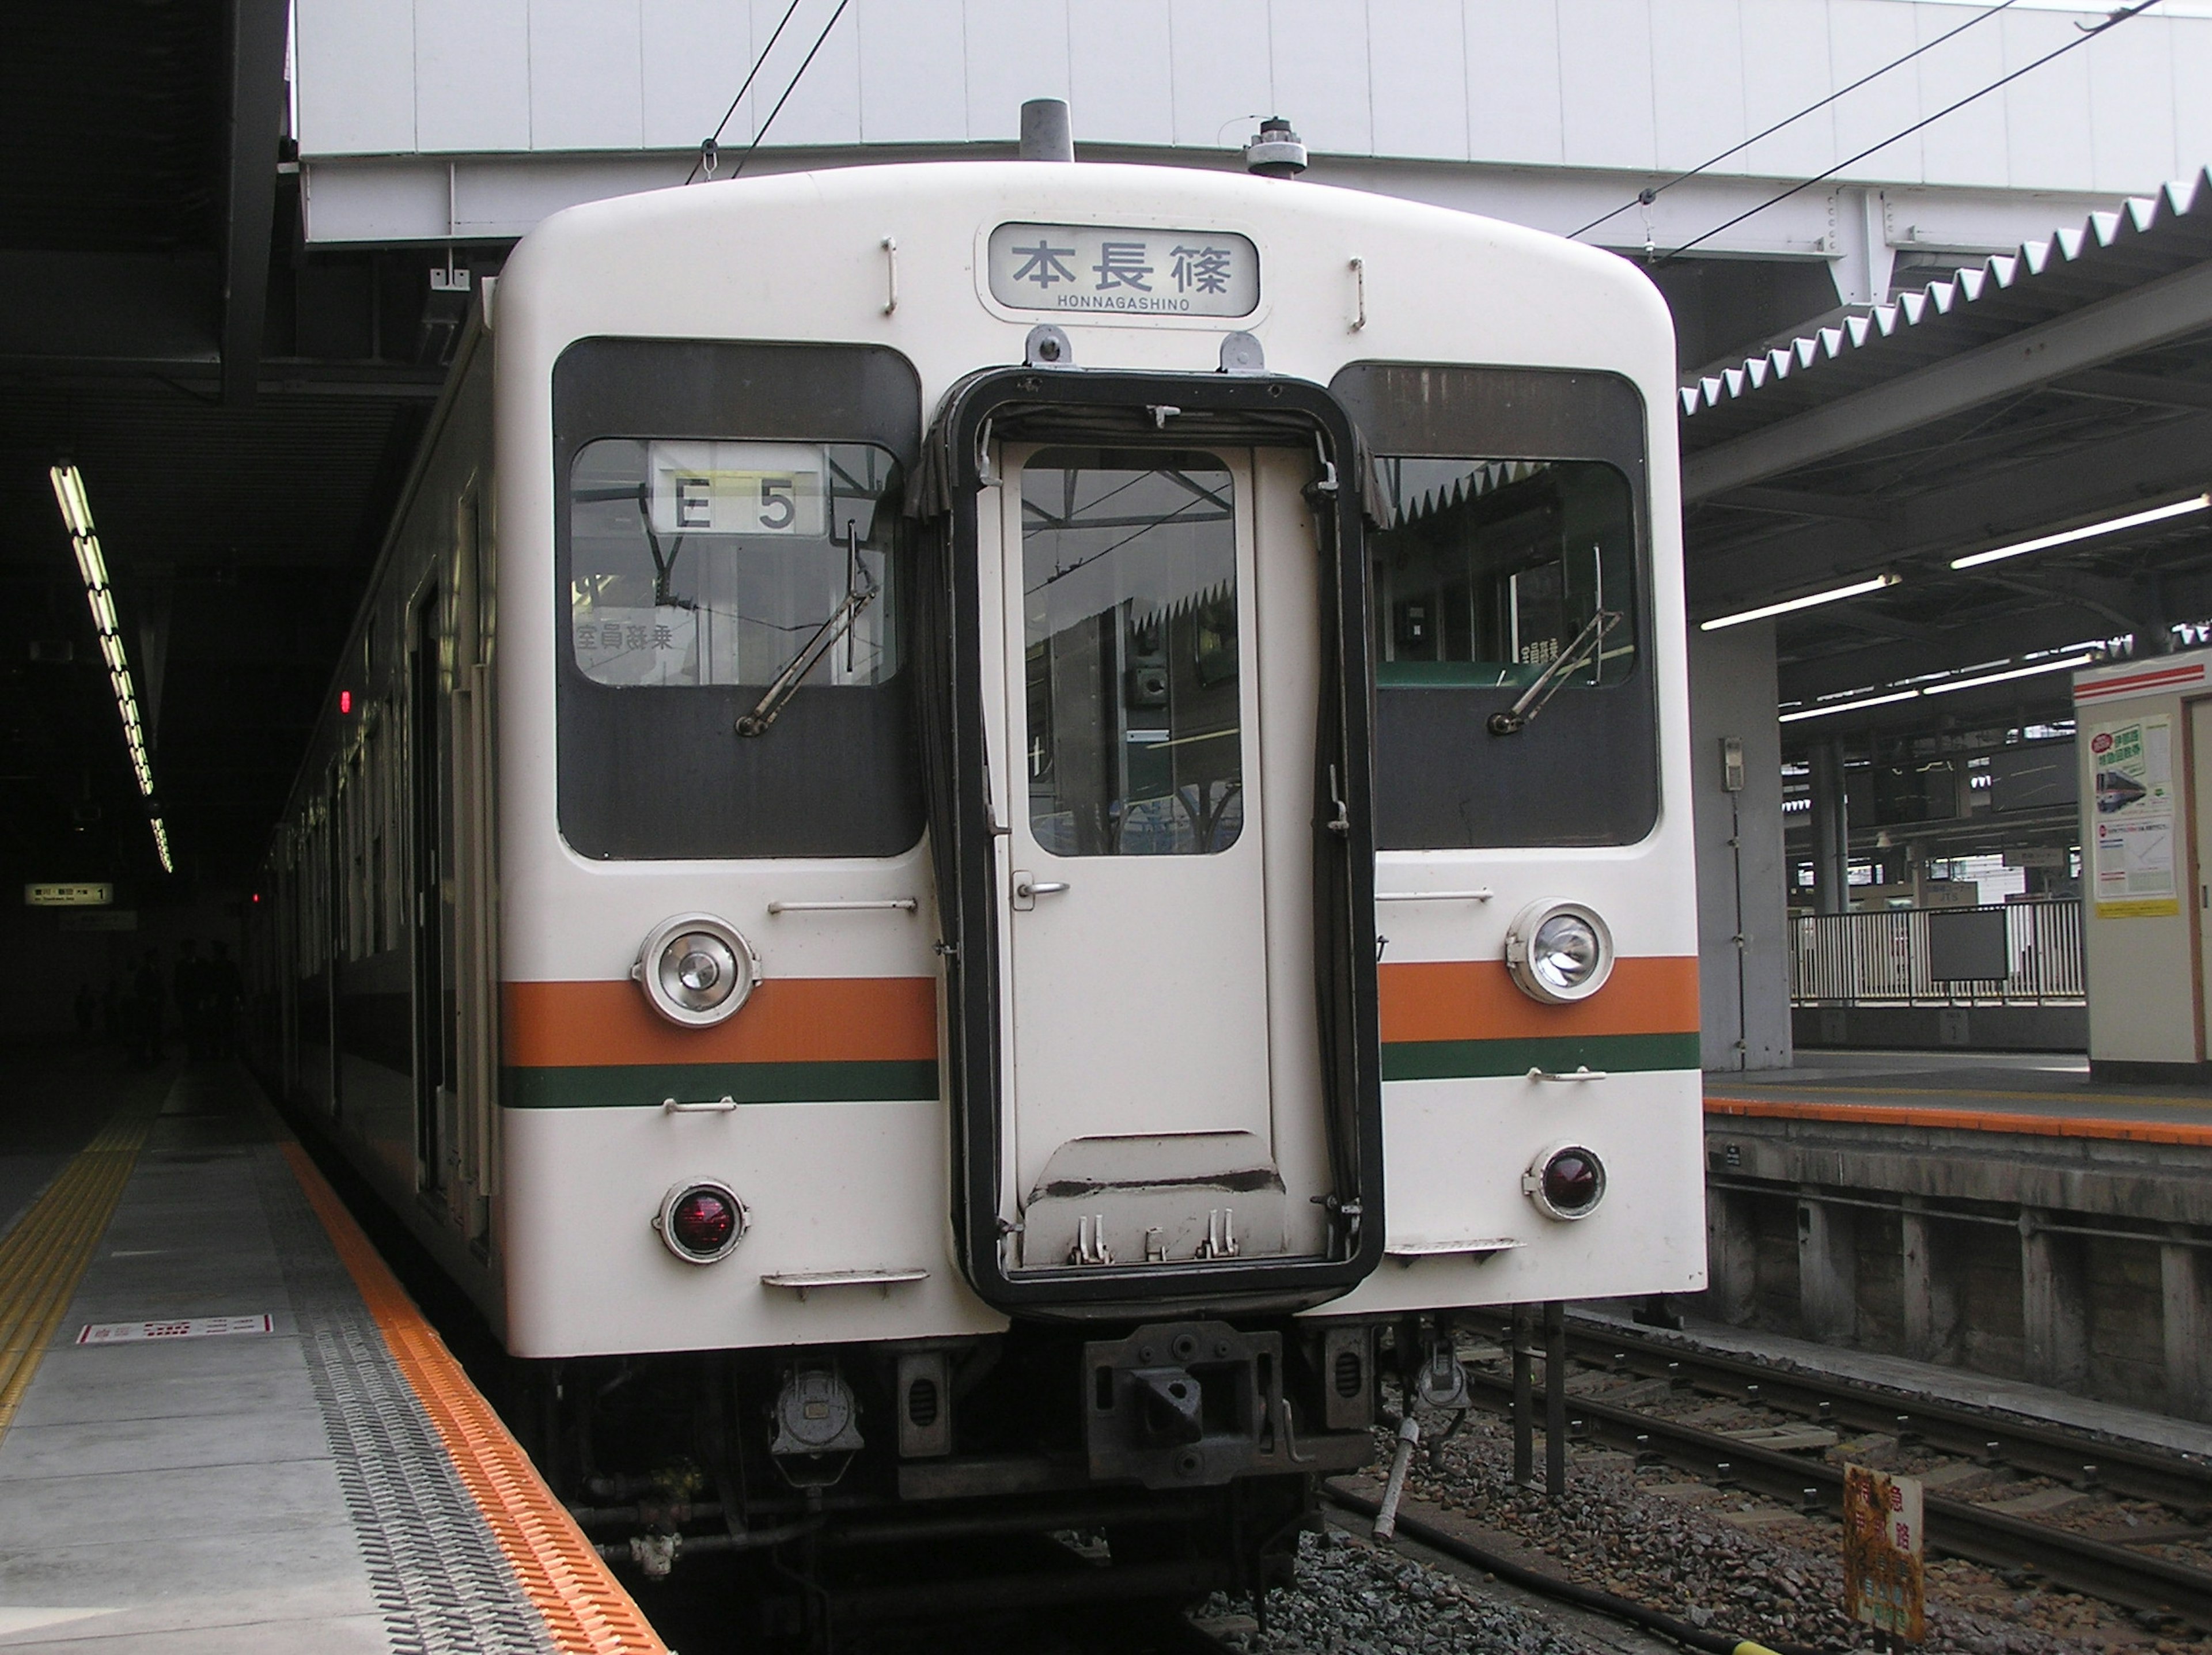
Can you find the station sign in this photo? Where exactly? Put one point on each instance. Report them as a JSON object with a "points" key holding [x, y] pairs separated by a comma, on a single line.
{"points": [[65, 895], [1119, 270]]}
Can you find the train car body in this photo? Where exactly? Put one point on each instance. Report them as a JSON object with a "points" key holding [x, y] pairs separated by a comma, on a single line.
{"points": [[1007, 805]]}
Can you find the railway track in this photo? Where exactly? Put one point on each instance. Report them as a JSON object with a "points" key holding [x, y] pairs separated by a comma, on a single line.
{"points": [[1961, 1528]]}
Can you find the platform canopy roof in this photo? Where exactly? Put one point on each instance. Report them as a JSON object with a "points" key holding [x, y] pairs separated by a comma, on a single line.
{"points": [[2057, 388]]}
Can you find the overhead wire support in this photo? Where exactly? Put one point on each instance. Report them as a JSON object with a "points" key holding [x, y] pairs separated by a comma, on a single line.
{"points": [[709, 149], [761, 131], [2113, 21], [1645, 196]]}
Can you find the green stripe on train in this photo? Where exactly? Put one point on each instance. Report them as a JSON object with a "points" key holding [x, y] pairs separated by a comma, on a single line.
{"points": [[1453, 1060], [648, 1085]]}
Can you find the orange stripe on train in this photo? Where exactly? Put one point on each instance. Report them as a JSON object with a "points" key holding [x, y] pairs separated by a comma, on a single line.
{"points": [[786, 1020], [1476, 1000]]}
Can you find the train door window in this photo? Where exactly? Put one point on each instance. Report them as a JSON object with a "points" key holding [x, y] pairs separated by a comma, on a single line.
{"points": [[1513, 568], [1129, 603], [732, 608]]}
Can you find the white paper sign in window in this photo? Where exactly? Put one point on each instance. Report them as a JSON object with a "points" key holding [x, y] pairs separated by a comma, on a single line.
{"points": [[1121, 270], [737, 488]]}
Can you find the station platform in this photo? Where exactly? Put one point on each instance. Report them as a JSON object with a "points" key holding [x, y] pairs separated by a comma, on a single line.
{"points": [[2037, 1094], [223, 1425]]}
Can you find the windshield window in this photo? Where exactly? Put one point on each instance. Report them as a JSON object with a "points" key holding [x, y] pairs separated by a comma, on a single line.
{"points": [[699, 564], [1491, 569]]}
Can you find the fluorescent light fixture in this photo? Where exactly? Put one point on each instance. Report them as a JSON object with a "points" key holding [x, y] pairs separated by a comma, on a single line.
{"points": [[2110, 526], [1836, 595], [68, 491], [77, 517], [1848, 706], [2067, 665]]}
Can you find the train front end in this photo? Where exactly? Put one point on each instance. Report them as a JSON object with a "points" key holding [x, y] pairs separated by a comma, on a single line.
{"points": [[1012, 630]]}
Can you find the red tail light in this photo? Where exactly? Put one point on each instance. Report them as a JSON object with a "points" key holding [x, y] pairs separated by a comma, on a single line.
{"points": [[702, 1222]]}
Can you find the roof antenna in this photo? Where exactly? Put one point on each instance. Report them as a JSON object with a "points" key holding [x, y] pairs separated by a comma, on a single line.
{"points": [[1045, 133]]}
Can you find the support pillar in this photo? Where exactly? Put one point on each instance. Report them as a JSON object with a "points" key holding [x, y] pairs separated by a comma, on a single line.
{"points": [[1832, 835], [2054, 1306], [1731, 1256], [1744, 935], [1828, 1269], [2185, 1276], [1930, 1303]]}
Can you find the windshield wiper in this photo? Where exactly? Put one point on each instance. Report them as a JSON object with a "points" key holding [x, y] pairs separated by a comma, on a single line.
{"points": [[787, 682], [1523, 712]]}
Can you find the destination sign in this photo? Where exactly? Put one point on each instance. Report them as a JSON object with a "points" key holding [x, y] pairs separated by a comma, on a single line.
{"points": [[1115, 269]]}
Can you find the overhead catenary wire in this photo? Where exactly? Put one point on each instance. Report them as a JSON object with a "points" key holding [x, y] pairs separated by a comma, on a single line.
{"points": [[762, 133], [1644, 197], [2111, 22], [714, 138]]}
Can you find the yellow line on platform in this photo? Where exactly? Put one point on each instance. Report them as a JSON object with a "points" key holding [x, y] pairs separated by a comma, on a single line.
{"points": [[45, 1256]]}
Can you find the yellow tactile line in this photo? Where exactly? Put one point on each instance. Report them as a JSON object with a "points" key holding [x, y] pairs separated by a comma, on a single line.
{"points": [[585, 1607], [45, 1256]]}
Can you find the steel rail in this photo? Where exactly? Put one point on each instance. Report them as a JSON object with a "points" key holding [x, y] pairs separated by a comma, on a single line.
{"points": [[2125, 1469], [1955, 1526]]}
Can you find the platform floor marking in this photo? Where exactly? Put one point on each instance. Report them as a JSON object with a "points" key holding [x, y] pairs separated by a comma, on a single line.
{"points": [[585, 1609], [187, 1326], [1826, 1089], [45, 1256]]}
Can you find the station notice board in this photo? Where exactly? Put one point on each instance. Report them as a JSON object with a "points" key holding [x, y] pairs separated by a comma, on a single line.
{"points": [[1884, 1583]]}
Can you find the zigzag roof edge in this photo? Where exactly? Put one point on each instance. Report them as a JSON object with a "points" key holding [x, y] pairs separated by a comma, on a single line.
{"points": [[1863, 329]]}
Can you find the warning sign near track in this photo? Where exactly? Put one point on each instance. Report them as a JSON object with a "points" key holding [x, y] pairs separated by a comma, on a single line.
{"points": [[1884, 1583]]}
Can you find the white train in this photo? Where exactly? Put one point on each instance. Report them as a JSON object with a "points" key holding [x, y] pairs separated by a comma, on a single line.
{"points": [[983, 813]]}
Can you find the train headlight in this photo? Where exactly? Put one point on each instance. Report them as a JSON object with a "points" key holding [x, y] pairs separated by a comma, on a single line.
{"points": [[1565, 1181], [701, 1221], [1559, 952], [696, 970]]}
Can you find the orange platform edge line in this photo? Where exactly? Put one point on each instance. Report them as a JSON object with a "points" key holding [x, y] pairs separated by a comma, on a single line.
{"points": [[1962, 1120], [585, 1610]]}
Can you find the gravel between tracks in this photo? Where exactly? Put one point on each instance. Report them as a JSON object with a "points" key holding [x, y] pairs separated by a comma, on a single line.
{"points": [[1354, 1598], [1758, 1576]]}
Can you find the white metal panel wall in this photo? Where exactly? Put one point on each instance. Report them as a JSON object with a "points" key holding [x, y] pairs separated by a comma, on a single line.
{"points": [[1614, 84]]}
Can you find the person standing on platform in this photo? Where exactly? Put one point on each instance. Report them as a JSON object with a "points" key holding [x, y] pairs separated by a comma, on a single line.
{"points": [[190, 988], [225, 988], [146, 999]]}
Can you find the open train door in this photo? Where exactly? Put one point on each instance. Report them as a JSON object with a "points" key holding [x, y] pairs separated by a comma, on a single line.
{"points": [[1164, 1070]]}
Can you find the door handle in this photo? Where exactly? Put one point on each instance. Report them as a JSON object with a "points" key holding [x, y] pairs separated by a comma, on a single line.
{"points": [[1028, 888]]}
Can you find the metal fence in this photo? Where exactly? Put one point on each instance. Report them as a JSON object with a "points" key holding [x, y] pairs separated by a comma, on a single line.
{"points": [[1884, 956]]}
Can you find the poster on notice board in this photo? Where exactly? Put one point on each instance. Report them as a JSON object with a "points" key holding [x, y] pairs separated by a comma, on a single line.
{"points": [[2132, 871]]}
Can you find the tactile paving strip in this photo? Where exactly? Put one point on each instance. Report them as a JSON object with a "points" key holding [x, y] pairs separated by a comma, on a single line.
{"points": [[438, 1573], [44, 1256], [576, 1604]]}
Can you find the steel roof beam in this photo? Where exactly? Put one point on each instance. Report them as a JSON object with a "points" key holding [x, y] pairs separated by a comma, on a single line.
{"points": [[2154, 389], [2122, 472], [256, 128], [2120, 326], [1800, 503]]}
